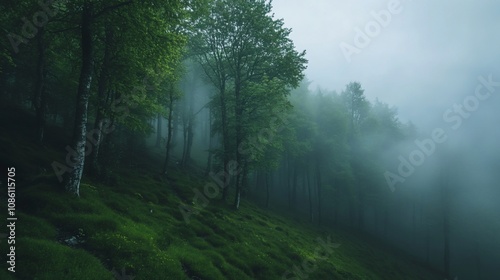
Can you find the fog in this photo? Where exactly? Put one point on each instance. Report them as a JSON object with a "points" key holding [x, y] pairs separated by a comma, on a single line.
{"points": [[430, 51], [434, 63], [426, 60], [372, 118]]}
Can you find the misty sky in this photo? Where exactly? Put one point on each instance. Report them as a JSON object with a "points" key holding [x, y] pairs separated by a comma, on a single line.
{"points": [[425, 60]]}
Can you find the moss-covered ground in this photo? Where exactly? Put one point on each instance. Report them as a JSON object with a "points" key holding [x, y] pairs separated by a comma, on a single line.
{"points": [[133, 226]]}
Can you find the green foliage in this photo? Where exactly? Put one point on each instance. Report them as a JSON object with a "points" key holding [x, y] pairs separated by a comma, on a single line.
{"points": [[264, 118], [135, 226], [130, 217], [342, 138], [356, 104], [46, 259], [248, 56]]}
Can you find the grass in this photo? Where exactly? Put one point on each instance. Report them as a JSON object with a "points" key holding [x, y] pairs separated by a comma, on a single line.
{"points": [[135, 225]]}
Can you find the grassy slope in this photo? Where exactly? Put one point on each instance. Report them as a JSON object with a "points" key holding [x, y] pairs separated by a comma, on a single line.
{"points": [[136, 224]]}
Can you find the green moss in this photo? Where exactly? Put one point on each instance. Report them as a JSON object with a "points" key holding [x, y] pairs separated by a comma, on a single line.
{"points": [[195, 263], [216, 241], [90, 223], [160, 265], [136, 224], [43, 259], [31, 226]]}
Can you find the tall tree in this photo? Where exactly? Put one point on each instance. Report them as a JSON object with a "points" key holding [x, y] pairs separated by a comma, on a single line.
{"points": [[73, 177], [160, 54], [357, 108], [239, 44], [40, 98], [172, 94]]}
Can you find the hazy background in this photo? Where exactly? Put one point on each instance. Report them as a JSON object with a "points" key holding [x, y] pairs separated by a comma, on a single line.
{"points": [[426, 60], [429, 56]]}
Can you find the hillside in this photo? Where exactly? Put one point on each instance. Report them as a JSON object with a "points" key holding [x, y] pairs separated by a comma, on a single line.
{"points": [[130, 225]]}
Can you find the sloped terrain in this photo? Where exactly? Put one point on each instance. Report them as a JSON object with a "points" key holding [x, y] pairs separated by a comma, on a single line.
{"points": [[131, 225]]}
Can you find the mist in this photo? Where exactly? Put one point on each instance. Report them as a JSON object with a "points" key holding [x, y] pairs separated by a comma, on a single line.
{"points": [[427, 60], [227, 139], [436, 68]]}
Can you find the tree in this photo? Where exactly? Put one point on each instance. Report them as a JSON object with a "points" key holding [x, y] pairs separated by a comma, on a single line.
{"points": [[240, 44], [356, 104], [330, 149], [73, 177], [357, 108], [173, 95], [156, 61]]}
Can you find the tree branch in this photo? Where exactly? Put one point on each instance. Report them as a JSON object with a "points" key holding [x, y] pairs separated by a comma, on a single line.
{"points": [[113, 7]]}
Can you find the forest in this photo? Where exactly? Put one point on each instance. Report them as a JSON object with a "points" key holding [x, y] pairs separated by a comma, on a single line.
{"points": [[202, 139]]}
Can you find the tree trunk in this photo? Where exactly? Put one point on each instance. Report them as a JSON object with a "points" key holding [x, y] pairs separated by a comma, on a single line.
{"points": [[169, 131], [427, 243], [478, 261], [240, 179], [318, 178], [185, 127], [40, 92], [238, 111], [386, 220], [335, 203], [446, 232], [188, 122], [73, 177], [225, 137], [336, 214], [190, 139], [414, 222], [361, 208], [210, 147], [174, 125], [294, 187], [158, 131], [289, 181], [309, 192], [237, 199], [244, 178], [102, 87]]}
